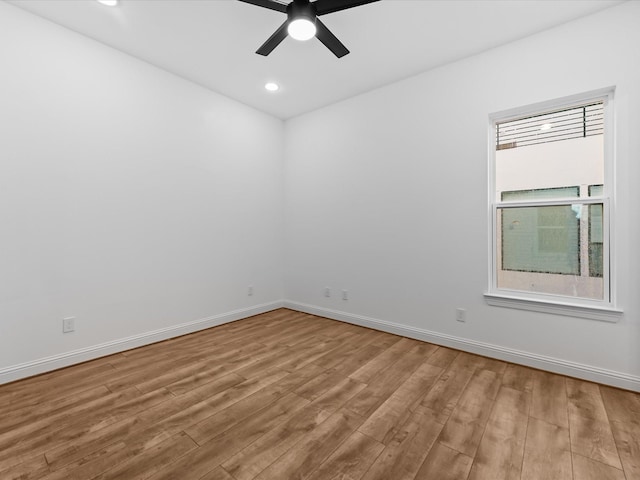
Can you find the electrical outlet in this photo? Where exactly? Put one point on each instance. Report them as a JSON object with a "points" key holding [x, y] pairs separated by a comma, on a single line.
{"points": [[250, 290], [461, 315], [327, 292], [345, 295], [68, 324]]}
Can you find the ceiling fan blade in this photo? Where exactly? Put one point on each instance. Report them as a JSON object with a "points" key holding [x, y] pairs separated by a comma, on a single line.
{"points": [[274, 40], [329, 6], [330, 40], [271, 5]]}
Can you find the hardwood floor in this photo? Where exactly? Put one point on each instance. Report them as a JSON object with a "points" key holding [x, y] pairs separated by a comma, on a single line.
{"points": [[286, 395]]}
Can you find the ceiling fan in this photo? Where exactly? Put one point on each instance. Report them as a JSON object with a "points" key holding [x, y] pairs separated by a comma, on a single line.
{"points": [[303, 22]]}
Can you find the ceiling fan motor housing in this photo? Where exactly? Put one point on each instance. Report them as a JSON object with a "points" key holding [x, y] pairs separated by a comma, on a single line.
{"points": [[299, 9]]}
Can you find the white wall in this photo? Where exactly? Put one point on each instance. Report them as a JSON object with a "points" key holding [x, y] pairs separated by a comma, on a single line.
{"points": [[144, 205], [386, 197], [129, 198], [569, 163]]}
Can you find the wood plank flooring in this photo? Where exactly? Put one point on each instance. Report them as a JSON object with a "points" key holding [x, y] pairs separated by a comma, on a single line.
{"points": [[286, 396]]}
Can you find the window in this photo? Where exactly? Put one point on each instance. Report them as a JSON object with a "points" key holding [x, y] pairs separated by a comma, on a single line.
{"points": [[550, 208]]}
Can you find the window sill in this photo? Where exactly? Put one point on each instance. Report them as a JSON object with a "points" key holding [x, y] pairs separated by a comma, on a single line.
{"points": [[603, 314]]}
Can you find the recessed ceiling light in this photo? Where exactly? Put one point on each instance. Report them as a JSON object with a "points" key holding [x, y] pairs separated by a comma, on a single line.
{"points": [[272, 87], [109, 3], [546, 126]]}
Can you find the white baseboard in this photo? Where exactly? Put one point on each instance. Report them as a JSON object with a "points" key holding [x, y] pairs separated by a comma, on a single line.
{"points": [[42, 365], [541, 362]]}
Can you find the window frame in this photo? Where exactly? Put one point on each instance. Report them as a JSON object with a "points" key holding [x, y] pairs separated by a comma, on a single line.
{"points": [[604, 310]]}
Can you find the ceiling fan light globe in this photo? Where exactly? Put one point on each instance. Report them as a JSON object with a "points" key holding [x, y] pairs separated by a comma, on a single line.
{"points": [[301, 29]]}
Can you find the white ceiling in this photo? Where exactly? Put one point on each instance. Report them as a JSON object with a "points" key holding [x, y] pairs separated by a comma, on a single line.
{"points": [[212, 42]]}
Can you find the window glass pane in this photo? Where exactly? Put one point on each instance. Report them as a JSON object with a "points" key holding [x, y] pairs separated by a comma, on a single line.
{"points": [[565, 192], [596, 190], [595, 240], [541, 239], [555, 249]]}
